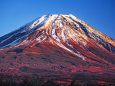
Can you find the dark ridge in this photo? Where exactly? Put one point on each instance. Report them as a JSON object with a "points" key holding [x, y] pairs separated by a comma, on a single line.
{"points": [[24, 69], [58, 67], [18, 50], [15, 57], [75, 27], [11, 39], [71, 63], [112, 48], [11, 64], [47, 60], [21, 29], [32, 70], [3, 56], [81, 26], [15, 37], [61, 67], [101, 41], [84, 29]]}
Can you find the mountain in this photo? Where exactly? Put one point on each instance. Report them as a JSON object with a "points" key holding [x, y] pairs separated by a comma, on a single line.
{"points": [[57, 47]]}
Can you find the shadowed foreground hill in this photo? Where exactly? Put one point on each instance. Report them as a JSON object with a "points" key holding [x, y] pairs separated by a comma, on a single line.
{"points": [[26, 81]]}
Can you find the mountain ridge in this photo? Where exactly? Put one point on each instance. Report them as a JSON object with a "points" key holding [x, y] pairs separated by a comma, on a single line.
{"points": [[33, 25]]}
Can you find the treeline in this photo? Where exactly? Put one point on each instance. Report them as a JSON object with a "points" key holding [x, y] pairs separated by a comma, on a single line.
{"points": [[50, 83], [27, 81]]}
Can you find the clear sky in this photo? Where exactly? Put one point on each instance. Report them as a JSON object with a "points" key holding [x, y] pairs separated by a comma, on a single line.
{"points": [[98, 13]]}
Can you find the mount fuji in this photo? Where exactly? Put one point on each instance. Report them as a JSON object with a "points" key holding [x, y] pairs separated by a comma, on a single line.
{"points": [[58, 47]]}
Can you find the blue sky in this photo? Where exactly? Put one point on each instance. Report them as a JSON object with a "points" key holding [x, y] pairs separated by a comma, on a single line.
{"points": [[98, 13]]}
